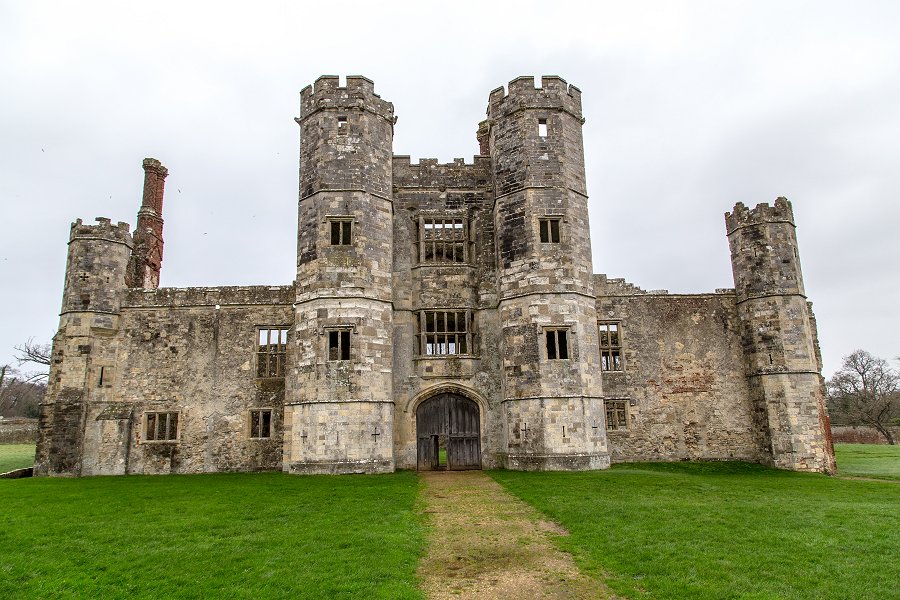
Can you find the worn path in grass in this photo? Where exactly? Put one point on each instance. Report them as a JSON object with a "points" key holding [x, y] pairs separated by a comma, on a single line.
{"points": [[483, 543]]}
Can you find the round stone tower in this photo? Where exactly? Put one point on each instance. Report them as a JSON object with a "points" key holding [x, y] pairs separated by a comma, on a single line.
{"points": [[339, 408], [778, 337], [551, 361]]}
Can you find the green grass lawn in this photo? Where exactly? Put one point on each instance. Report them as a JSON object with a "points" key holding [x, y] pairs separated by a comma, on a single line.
{"points": [[16, 456], [723, 530], [254, 535], [868, 460]]}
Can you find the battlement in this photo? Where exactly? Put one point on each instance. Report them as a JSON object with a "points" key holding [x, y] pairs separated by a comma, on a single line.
{"points": [[782, 212], [358, 94], [428, 173], [554, 93], [104, 230]]}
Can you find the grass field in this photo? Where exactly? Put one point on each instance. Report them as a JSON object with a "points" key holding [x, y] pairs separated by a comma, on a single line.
{"points": [[723, 530], [868, 460], [16, 456], [265, 535]]}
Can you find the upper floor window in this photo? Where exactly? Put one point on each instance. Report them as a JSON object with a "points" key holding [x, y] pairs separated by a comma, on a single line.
{"points": [[271, 350], [342, 123], [160, 426], [444, 332], [549, 230], [338, 344], [442, 240], [542, 127], [557, 343], [341, 230], [610, 347]]}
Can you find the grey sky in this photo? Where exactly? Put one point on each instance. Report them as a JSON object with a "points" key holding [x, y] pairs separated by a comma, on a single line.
{"points": [[690, 107]]}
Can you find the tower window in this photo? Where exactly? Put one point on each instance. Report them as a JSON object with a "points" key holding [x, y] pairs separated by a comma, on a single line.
{"points": [[271, 350], [557, 343], [542, 127], [610, 347], [342, 123], [616, 414], [444, 332], [340, 232], [339, 344], [549, 230], [261, 423], [442, 240]]}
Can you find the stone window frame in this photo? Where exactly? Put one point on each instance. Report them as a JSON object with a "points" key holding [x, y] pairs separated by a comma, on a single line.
{"points": [[342, 336], [618, 409], [546, 230], [340, 228], [466, 335], [612, 355], [174, 437], [458, 243], [543, 128], [260, 421], [552, 332], [265, 369]]}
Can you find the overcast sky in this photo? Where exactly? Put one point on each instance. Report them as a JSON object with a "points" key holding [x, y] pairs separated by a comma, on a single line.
{"points": [[690, 107]]}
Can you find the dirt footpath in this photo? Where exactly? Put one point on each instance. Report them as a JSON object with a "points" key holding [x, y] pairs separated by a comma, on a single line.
{"points": [[483, 543]]}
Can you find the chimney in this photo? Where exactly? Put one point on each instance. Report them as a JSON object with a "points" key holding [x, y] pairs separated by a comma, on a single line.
{"points": [[146, 258]]}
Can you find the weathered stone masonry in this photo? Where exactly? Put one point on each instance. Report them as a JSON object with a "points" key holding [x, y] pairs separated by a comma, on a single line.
{"points": [[443, 316]]}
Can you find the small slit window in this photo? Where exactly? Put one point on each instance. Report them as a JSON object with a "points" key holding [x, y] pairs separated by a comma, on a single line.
{"points": [[542, 128], [342, 123], [549, 230], [339, 344], [341, 230], [261, 423], [557, 343]]}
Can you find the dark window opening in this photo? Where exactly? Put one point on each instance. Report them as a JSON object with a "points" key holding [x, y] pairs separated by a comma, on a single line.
{"points": [[549, 231], [616, 414], [557, 344], [610, 347], [161, 426], [442, 240], [340, 232], [342, 123], [443, 332], [100, 379], [261, 423], [339, 344]]}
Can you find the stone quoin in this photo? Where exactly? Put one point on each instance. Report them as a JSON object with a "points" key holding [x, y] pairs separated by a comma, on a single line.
{"points": [[444, 316]]}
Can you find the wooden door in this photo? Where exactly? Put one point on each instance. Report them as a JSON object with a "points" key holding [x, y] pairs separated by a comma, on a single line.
{"points": [[448, 432]]}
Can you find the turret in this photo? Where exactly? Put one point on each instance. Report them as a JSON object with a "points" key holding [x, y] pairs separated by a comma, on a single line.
{"points": [[551, 363], [778, 336], [146, 260], [344, 269]]}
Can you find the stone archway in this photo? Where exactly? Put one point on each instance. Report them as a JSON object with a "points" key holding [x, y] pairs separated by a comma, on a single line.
{"points": [[448, 434]]}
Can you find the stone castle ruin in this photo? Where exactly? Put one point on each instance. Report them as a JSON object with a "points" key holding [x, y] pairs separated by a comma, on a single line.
{"points": [[444, 316]]}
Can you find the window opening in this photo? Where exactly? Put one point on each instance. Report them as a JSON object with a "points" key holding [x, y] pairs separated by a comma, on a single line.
{"points": [[443, 332], [542, 127], [340, 232], [342, 123], [270, 352], [549, 231], [616, 414], [161, 426], [442, 240], [610, 347], [557, 344], [100, 379], [339, 344], [261, 423]]}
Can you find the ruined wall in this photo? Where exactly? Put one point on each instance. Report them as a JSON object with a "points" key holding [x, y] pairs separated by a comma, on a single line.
{"points": [[193, 351], [18, 431], [682, 377]]}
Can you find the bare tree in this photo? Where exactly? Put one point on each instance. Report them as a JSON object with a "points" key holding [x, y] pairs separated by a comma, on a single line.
{"points": [[866, 390], [18, 397], [34, 353]]}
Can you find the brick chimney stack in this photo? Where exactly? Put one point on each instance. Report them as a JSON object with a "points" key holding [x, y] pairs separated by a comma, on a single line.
{"points": [[146, 258]]}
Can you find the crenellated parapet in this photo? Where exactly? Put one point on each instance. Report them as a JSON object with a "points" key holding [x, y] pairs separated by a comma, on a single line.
{"points": [[358, 94], [554, 93], [741, 216], [428, 173], [104, 230]]}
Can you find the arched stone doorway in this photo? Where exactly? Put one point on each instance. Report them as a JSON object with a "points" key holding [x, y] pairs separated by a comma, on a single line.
{"points": [[448, 435]]}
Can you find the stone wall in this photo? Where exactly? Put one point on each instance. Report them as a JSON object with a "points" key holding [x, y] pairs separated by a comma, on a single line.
{"points": [[18, 431], [682, 377]]}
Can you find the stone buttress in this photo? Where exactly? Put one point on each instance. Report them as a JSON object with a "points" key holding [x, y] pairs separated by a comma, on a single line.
{"points": [[339, 407], [550, 373], [778, 337], [83, 352]]}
